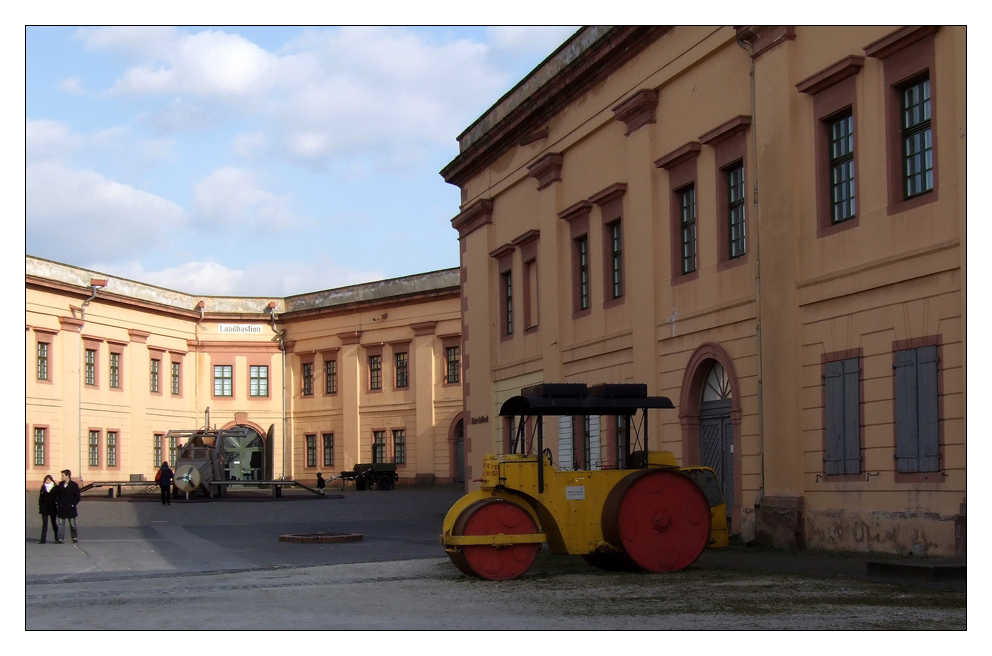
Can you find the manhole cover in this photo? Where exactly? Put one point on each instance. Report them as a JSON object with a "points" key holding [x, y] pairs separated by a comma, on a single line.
{"points": [[320, 537]]}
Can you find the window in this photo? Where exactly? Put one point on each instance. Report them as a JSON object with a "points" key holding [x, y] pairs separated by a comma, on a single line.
{"points": [[687, 216], [39, 446], [379, 447], [917, 139], [157, 450], [582, 253], [308, 379], [328, 449], [581, 443], [841, 138], [175, 378], [311, 450], [223, 380], [90, 364], [94, 448], [399, 447], [508, 302], [616, 258], [531, 305], [331, 377], [917, 412], [375, 372], [111, 448], [735, 211], [115, 369], [42, 361], [402, 370], [842, 398], [173, 451], [454, 368], [153, 375], [258, 380]]}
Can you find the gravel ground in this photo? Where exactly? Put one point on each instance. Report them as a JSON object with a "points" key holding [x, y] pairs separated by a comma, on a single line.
{"points": [[220, 565]]}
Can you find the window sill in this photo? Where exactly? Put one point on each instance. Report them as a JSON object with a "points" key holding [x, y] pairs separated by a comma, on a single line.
{"points": [[841, 226], [685, 277], [614, 302], [733, 263], [920, 477], [913, 203]]}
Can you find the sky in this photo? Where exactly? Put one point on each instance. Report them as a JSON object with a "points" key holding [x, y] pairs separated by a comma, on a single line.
{"points": [[256, 161]]}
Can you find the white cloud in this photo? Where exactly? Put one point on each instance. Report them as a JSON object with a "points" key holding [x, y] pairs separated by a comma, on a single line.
{"points": [[388, 93], [209, 64], [249, 145], [72, 85], [527, 39], [138, 41], [75, 215], [46, 139], [264, 279], [231, 198]]}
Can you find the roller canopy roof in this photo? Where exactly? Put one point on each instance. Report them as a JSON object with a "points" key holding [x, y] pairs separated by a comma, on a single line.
{"points": [[557, 399]]}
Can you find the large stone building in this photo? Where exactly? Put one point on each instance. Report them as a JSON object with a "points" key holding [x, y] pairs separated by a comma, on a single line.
{"points": [[765, 224], [320, 379]]}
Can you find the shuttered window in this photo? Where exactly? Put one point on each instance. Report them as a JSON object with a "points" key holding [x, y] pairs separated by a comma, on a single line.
{"points": [[917, 443], [843, 410]]}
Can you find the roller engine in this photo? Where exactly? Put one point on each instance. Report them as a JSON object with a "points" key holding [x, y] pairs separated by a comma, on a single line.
{"points": [[647, 514]]}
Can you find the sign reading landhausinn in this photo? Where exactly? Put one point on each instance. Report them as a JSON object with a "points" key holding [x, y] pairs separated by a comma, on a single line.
{"points": [[238, 328]]}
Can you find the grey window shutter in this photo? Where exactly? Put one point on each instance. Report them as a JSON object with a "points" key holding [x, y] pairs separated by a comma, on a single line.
{"points": [[852, 417], [926, 380], [833, 380], [907, 435]]}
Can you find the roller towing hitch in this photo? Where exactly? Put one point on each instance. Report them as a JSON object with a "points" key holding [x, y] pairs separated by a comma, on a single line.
{"points": [[637, 510]]}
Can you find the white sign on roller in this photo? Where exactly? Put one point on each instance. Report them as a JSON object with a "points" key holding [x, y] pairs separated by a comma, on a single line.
{"points": [[575, 492]]}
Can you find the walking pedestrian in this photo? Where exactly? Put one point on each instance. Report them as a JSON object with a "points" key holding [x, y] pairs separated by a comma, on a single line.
{"points": [[320, 483], [67, 498], [48, 508], [164, 478]]}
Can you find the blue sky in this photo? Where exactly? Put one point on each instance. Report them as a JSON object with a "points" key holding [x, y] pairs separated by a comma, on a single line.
{"points": [[256, 160]]}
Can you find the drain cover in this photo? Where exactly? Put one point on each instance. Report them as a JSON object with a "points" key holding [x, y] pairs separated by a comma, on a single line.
{"points": [[320, 537]]}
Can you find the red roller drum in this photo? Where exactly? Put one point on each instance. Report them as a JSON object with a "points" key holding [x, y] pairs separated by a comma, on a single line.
{"points": [[492, 517], [660, 518]]}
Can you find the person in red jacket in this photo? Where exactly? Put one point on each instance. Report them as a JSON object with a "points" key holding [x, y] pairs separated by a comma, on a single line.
{"points": [[67, 497]]}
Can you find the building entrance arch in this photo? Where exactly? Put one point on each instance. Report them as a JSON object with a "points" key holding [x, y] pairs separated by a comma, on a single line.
{"points": [[456, 448], [246, 457], [710, 414]]}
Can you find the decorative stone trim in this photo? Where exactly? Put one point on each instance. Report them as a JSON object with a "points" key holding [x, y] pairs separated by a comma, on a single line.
{"points": [[614, 191], [763, 38], [526, 238], [831, 75], [638, 110], [899, 40], [577, 211], [547, 169], [534, 136], [70, 323], [502, 251], [425, 328], [138, 336], [473, 217], [351, 337], [679, 156], [731, 128]]}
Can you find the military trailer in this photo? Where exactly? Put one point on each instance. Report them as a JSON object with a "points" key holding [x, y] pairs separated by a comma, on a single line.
{"points": [[381, 475]]}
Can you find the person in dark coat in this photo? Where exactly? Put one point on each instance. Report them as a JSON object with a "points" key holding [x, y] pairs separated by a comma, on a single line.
{"points": [[67, 498], [165, 476], [320, 483], [48, 508]]}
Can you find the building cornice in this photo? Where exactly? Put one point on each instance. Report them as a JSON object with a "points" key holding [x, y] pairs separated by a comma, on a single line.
{"points": [[581, 63], [899, 40], [831, 75]]}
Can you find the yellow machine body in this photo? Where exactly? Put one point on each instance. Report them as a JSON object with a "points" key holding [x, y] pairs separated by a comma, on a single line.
{"points": [[569, 510]]}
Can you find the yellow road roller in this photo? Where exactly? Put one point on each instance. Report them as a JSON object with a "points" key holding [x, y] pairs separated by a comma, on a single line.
{"points": [[645, 513]]}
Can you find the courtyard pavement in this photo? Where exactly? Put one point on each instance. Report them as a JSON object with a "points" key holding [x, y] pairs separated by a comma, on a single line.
{"points": [[220, 565]]}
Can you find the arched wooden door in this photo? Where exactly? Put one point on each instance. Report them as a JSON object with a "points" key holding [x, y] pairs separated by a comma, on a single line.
{"points": [[716, 431]]}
